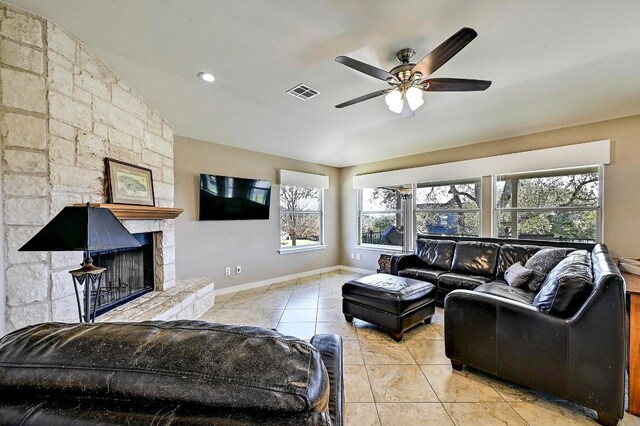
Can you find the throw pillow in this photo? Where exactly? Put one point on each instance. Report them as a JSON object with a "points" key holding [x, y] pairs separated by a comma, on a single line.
{"points": [[542, 262], [567, 286], [517, 275]]}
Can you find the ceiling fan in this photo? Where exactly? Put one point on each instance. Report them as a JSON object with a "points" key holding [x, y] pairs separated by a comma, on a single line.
{"points": [[408, 80]]}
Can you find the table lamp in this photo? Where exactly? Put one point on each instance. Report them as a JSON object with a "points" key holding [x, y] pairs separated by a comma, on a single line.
{"points": [[87, 229]]}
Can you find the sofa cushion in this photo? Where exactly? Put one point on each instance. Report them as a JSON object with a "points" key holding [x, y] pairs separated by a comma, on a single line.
{"points": [[429, 275], [517, 275], [502, 289], [567, 285], [512, 253], [542, 262], [475, 258], [436, 253], [183, 362], [454, 281]]}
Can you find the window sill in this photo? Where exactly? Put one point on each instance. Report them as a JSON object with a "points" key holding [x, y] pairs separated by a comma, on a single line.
{"points": [[381, 248], [301, 249]]}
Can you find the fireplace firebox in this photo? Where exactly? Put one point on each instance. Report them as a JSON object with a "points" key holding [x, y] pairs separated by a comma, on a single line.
{"points": [[130, 274]]}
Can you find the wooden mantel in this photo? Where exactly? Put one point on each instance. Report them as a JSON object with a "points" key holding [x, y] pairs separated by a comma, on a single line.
{"points": [[129, 212]]}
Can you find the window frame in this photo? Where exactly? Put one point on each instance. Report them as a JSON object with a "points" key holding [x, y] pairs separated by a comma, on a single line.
{"points": [[416, 211], [599, 209], [360, 212], [307, 247]]}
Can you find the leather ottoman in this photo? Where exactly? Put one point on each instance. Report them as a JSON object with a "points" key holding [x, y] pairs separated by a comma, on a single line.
{"points": [[388, 301]]}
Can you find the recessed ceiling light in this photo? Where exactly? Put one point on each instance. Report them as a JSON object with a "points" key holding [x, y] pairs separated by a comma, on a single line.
{"points": [[208, 77]]}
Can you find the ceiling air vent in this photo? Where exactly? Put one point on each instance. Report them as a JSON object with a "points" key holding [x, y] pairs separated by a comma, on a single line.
{"points": [[302, 91]]}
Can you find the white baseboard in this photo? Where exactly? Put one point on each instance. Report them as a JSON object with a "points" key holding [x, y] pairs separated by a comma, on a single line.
{"points": [[358, 270], [263, 283], [256, 284]]}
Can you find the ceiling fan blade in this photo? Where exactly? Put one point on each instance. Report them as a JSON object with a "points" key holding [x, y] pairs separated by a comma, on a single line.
{"points": [[447, 50], [454, 85], [407, 112], [363, 98], [366, 68]]}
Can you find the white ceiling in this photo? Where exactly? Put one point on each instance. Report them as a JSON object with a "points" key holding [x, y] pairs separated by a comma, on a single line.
{"points": [[553, 64]]}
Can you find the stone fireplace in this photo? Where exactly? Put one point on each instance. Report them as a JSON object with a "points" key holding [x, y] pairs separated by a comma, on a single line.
{"points": [[62, 111]]}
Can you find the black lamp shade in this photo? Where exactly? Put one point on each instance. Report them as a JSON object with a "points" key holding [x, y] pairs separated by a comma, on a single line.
{"points": [[82, 228]]}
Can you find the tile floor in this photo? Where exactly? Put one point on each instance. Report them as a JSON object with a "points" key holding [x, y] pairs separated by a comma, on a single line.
{"points": [[389, 383]]}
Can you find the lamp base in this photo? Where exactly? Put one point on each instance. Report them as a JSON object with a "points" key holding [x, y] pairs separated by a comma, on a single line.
{"points": [[88, 276]]}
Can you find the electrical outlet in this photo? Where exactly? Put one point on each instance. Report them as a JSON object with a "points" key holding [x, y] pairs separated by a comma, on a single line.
{"points": [[227, 271], [238, 269], [358, 256], [351, 255]]}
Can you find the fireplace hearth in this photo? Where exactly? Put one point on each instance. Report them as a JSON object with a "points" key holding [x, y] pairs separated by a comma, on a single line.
{"points": [[129, 274]]}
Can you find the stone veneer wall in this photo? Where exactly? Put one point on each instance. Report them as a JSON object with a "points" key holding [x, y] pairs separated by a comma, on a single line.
{"points": [[62, 112]]}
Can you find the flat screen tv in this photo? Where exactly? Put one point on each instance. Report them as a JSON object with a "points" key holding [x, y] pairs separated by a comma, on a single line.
{"points": [[234, 198]]}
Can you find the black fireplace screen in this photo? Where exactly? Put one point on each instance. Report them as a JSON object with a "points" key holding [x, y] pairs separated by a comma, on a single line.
{"points": [[129, 274]]}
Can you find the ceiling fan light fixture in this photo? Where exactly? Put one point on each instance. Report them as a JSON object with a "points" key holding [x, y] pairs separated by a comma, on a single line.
{"points": [[206, 76], [394, 101], [409, 80], [414, 98]]}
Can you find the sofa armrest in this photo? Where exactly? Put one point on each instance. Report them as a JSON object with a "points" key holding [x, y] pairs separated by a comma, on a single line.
{"points": [[330, 348], [601, 319], [458, 296], [404, 261], [506, 338]]}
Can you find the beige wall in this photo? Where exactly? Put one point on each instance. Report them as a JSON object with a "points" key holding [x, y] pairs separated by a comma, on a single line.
{"points": [[621, 180], [206, 248]]}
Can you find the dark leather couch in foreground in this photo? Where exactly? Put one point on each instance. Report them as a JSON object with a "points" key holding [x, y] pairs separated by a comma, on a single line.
{"points": [[577, 353], [168, 373]]}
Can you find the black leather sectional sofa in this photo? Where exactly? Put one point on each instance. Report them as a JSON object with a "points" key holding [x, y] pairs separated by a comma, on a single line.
{"points": [[452, 263], [578, 354], [168, 373]]}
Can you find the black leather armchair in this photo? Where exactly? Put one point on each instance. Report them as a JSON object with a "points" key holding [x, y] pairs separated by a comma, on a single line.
{"points": [[581, 358], [168, 373]]}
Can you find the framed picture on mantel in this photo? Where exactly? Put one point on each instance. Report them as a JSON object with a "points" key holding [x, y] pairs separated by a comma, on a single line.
{"points": [[129, 184]]}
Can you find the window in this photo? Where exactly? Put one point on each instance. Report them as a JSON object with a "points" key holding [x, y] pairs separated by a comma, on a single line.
{"points": [[561, 205], [300, 217], [451, 208], [380, 216]]}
